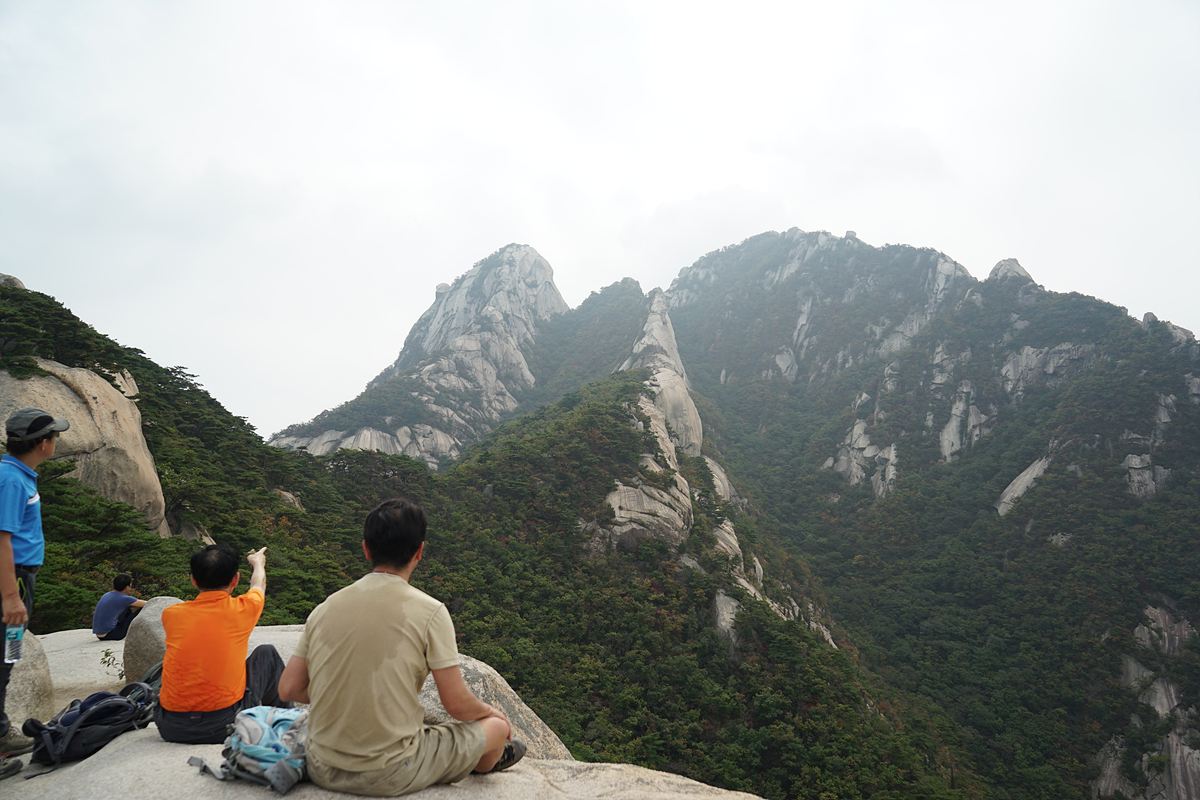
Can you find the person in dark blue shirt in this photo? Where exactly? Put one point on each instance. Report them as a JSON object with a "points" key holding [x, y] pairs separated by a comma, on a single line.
{"points": [[116, 609]]}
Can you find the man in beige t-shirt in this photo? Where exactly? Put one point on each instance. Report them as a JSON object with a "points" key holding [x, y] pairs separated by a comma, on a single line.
{"points": [[360, 664]]}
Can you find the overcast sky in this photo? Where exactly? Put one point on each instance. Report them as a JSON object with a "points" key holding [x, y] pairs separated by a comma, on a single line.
{"points": [[267, 193]]}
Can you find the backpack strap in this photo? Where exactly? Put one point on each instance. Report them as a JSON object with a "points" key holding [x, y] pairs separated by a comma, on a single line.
{"points": [[205, 769]]}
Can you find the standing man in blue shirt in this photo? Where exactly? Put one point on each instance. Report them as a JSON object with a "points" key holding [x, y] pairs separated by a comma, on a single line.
{"points": [[32, 434], [116, 609]]}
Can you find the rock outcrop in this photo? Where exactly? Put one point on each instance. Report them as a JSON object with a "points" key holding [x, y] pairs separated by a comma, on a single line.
{"points": [[105, 438], [858, 458], [1009, 268], [1021, 484], [145, 643], [1172, 771], [1143, 476], [30, 686], [491, 688], [462, 362], [141, 766], [1046, 366], [662, 509], [657, 351]]}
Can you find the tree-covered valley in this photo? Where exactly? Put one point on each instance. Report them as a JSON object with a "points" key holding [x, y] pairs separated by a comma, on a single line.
{"points": [[872, 407]]}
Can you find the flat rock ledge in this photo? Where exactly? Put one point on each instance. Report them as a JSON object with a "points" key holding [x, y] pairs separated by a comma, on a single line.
{"points": [[141, 766]]}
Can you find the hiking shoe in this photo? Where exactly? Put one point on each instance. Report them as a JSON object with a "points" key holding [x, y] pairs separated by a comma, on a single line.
{"points": [[514, 751], [14, 743], [10, 767]]}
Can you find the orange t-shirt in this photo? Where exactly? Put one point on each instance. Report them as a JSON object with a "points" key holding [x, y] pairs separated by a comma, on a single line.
{"points": [[204, 668]]}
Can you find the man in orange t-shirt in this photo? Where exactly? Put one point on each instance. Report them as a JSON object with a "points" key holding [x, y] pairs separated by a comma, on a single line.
{"points": [[206, 677]]}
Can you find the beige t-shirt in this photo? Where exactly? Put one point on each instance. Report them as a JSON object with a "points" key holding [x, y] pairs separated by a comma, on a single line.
{"points": [[369, 649]]}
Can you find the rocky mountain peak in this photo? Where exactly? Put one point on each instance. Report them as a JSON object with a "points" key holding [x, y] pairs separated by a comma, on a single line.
{"points": [[458, 370], [514, 285], [1009, 268]]}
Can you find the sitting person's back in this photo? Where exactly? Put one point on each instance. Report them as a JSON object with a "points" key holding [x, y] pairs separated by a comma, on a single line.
{"points": [[116, 610], [361, 661], [206, 676]]}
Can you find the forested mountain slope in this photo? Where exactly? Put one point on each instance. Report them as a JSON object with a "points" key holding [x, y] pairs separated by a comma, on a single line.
{"points": [[616, 647], [996, 484], [969, 510]]}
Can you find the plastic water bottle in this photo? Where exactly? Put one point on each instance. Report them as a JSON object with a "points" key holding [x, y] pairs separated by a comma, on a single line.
{"points": [[14, 643]]}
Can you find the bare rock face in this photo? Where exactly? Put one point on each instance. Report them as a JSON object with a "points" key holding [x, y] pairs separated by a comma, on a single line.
{"points": [[105, 438], [1044, 366], [646, 509], [491, 688], [1144, 478], [1176, 776], [656, 350], [464, 355], [30, 688], [724, 486], [1021, 484], [858, 458], [146, 643], [1009, 268], [967, 424]]}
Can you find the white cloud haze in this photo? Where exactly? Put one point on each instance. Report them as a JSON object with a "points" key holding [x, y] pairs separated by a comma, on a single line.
{"points": [[267, 192]]}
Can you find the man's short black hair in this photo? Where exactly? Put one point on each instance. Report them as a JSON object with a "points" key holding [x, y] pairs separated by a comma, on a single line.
{"points": [[214, 567], [121, 581], [17, 448], [393, 531]]}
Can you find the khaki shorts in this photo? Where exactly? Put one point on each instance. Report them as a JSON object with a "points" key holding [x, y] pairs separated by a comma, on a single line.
{"points": [[445, 753]]}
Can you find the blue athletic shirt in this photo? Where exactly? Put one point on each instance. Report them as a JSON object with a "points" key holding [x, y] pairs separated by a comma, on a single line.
{"points": [[21, 511]]}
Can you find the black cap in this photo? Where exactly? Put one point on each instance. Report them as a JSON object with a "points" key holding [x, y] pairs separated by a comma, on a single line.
{"points": [[33, 423]]}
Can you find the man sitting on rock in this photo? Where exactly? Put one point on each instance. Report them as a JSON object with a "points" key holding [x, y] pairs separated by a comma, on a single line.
{"points": [[361, 661], [206, 677], [116, 609]]}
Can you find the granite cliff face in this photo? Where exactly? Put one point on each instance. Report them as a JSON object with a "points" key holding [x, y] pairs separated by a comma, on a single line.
{"points": [[803, 308], [460, 366], [942, 356], [1172, 770], [105, 438]]}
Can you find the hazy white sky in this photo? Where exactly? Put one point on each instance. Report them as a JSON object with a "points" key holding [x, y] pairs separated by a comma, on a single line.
{"points": [[267, 193]]}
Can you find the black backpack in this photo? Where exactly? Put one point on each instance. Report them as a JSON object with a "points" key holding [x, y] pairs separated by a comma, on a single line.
{"points": [[87, 725]]}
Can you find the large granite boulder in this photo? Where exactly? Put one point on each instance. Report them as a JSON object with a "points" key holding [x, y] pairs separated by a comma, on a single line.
{"points": [[140, 766], [105, 438], [491, 688], [30, 688], [146, 644]]}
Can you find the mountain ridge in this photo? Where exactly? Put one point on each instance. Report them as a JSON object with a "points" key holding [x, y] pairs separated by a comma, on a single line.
{"points": [[970, 500]]}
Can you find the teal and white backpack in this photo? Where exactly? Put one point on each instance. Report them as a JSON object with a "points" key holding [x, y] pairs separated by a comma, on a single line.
{"points": [[265, 745]]}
